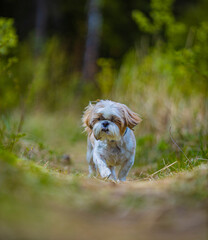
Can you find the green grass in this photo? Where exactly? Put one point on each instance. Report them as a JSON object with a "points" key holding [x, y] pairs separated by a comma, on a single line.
{"points": [[40, 191], [34, 198]]}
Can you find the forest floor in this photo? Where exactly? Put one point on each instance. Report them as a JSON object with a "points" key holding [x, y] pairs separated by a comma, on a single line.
{"points": [[45, 195]]}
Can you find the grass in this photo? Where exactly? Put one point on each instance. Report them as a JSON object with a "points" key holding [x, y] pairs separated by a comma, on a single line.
{"points": [[44, 189], [34, 199], [44, 196]]}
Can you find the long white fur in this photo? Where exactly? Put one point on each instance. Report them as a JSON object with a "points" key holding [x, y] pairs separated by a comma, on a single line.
{"points": [[113, 134], [109, 149]]}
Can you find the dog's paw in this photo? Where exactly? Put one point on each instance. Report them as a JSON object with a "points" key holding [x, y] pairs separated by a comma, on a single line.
{"points": [[105, 173], [123, 179]]}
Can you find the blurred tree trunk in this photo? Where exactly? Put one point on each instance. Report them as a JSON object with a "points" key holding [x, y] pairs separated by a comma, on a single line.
{"points": [[94, 23], [40, 24]]}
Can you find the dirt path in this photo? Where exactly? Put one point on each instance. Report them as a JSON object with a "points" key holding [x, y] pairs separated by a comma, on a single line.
{"points": [[86, 209], [160, 209]]}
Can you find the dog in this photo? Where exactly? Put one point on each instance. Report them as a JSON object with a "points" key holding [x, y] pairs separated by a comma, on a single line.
{"points": [[111, 141]]}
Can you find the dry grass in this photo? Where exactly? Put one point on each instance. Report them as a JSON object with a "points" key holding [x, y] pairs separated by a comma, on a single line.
{"points": [[91, 209], [43, 197]]}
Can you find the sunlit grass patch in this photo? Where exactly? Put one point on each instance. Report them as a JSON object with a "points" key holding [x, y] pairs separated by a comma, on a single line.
{"points": [[47, 197], [165, 155]]}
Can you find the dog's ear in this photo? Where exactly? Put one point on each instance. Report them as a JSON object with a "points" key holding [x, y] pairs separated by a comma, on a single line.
{"points": [[131, 118], [87, 116]]}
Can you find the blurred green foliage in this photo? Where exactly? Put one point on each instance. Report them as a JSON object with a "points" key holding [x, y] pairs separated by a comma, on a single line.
{"points": [[178, 44], [164, 78], [8, 37], [163, 23], [170, 53], [162, 152], [9, 86], [106, 76], [9, 135]]}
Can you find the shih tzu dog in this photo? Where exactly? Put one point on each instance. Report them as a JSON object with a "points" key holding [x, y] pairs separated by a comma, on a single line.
{"points": [[111, 141]]}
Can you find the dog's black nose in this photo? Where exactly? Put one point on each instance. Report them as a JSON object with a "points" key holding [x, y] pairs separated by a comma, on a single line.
{"points": [[105, 124]]}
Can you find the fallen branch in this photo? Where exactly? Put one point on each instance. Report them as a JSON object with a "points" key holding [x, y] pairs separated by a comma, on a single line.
{"points": [[162, 169]]}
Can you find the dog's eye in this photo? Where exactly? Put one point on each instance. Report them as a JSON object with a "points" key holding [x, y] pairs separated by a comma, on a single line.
{"points": [[100, 118]]}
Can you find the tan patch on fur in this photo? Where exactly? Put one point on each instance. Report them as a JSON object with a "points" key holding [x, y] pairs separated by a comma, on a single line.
{"points": [[131, 118], [86, 118]]}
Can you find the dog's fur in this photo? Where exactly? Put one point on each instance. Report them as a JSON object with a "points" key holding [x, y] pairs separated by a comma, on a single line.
{"points": [[111, 141]]}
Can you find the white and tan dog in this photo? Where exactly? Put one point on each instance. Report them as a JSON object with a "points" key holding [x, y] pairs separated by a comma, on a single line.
{"points": [[111, 141]]}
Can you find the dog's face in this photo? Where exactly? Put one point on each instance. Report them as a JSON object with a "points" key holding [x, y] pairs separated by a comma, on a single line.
{"points": [[108, 120]]}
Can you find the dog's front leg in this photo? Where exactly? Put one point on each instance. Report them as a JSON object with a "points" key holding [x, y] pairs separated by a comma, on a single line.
{"points": [[125, 167], [92, 166], [113, 174], [103, 169]]}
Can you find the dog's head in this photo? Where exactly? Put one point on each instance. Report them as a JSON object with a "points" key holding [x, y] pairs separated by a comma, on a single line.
{"points": [[108, 120]]}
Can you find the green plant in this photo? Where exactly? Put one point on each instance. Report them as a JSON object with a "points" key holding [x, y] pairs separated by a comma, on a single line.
{"points": [[10, 92], [162, 23], [8, 37], [106, 76], [9, 134]]}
